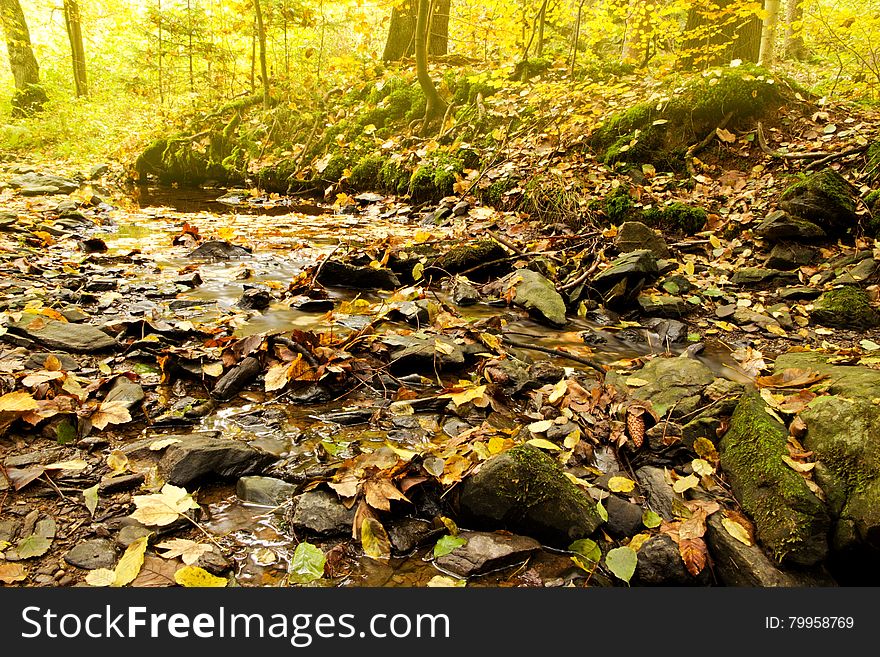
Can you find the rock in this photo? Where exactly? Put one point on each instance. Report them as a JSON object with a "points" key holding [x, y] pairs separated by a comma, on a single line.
{"points": [[306, 305], [192, 280], [74, 314], [201, 456], [255, 298], [791, 522], [465, 257], [798, 293], [634, 235], [214, 562], [486, 552], [788, 256], [780, 226], [674, 384], [218, 250], [407, 534], [524, 491], [657, 490], [845, 307], [676, 284], [264, 491], [321, 512], [97, 171], [537, 295], [463, 293], [824, 198], [460, 209], [130, 533], [91, 554], [664, 305], [510, 376], [666, 330], [660, 564], [412, 353], [626, 277], [759, 275], [858, 273], [125, 391], [852, 381], [738, 564], [417, 313], [38, 361], [340, 274], [33, 184], [842, 433], [65, 336], [624, 517], [235, 379]]}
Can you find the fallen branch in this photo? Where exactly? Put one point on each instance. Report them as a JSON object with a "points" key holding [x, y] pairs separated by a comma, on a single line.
{"points": [[556, 352], [705, 141], [836, 156], [804, 155], [298, 348]]}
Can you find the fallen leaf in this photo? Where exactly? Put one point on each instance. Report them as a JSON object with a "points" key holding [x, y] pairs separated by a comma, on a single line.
{"points": [[448, 544], [736, 530], [622, 562], [195, 577], [587, 548], [543, 443], [112, 412], [163, 508], [694, 554], [11, 573], [442, 581], [790, 377], [18, 402], [189, 551], [621, 485], [374, 539], [685, 483], [90, 497], [130, 562], [307, 564]]}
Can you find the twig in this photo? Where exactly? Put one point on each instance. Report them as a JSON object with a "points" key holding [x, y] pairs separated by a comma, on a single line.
{"points": [[700, 145], [323, 262], [804, 155], [298, 348], [506, 242], [582, 278], [836, 156], [556, 352]]}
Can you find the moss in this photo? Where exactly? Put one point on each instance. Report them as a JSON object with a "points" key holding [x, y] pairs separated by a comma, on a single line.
{"points": [[618, 204], [465, 257], [826, 184], [365, 174], [406, 103], [435, 178], [845, 307], [335, 169], [496, 193], [790, 520], [872, 166], [393, 177], [676, 217]]}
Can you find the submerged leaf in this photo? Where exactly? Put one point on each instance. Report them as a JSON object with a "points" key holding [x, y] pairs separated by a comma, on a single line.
{"points": [[307, 564]]}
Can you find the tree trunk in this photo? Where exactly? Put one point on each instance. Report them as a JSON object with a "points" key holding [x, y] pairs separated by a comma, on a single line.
{"points": [[539, 46], [77, 52], [638, 33], [264, 69], [401, 32], [714, 35], [29, 96], [161, 45], [768, 34], [794, 34], [438, 26], [436, 106]]}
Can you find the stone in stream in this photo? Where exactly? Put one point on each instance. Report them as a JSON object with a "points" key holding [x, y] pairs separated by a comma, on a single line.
{"points": [[321, 512], [38, 361], [791, 522], [538, 296], [824, 198], [91, 554], [624, 517], [219, 250], [852, 381], [412, 353], [236, 378], [634, 235], [255, 298], [339, 274], [664, 305], [65, 336], [74, 314], [125, 391], [857, 273], [655, 486], [198, 457], [507, 374], [845, 307], [265, 491], [467, 256], [672, 385], [463, 293], [32, 184], [780, 226], [484, 552], [760, 275], [407, 534], [660, 564], [626, 277], [524, 491]]}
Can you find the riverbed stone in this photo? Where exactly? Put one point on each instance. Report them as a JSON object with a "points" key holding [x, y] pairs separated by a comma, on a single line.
{"points": [[634, 236], [660, 564], [463, 292], [624, 517], [83, 338], [341, 274], [673, 384], [199, 456], [219, 250], [824, 198], [406, 534], [265, 491], [538, 296], [791, 522], [738, 564], [91, 554], [761, 275], [322, 512], [31, 184], [664, 305], [524, 491], [851, 381], [654, 485], [790, 255], [845, 307], [484, 552], [415, 352]]}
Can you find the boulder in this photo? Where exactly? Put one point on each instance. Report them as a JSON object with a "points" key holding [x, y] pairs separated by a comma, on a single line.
{"points": [[341, 274], [654, 485], [466, 257], [845, 307], [824, 198], [484, 552], [65, 336], [264, 491], [791, 522], [538, 296], [321, 512], [780, 226], [853, 381], [672, 384], [200, 456], [738, 564], [634, 235], [523, 490]]}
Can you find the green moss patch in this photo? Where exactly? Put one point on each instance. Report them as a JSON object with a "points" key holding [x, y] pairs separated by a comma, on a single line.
{"points": [[845, 307]]}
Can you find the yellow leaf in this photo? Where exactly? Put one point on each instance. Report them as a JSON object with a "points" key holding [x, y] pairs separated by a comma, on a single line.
{"points": [[276, 377], [543, 444], [621, 485], [685, 483], [112, 412], [491, 341], [374, 539], [163, 508], [736, 530], [158, 445], [195, 577], [776, 329], [443, 347], [226, 232], [715, 242], [572, 439], [117, 462], [469, 394], [797, 466], [540, 427], [189, 551], [422, 236], [12, 572], [702, 468], [418, 270], [442, 581], [637, 541], [559, 391], [130, 564], [212, 369], [634, 382], [689, 268], [18, 402], [101, 577]]}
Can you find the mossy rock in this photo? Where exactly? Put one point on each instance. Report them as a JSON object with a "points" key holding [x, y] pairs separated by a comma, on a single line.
{"points": [[466, 257], [365, 174], [852, 381], [845, 307], [618, 205], [524, 491], [872, 165], [497, 195], [435, 178], [660, 132], [791, 522], [824, 198], [676, 217], [394, 177]]}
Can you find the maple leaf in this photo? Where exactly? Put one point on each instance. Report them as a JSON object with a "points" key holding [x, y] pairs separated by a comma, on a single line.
{"points": [[189, 551], [163, 508], [380, 491], [112, 412]]}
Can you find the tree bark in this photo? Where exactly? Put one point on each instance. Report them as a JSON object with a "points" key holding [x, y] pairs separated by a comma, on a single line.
{"points": [[715, 35], [264, 69], [77, 52], [401, 41], [638, 33], [438, 28], [435, 106], [794, 34], [768, 34], [29, 95]]}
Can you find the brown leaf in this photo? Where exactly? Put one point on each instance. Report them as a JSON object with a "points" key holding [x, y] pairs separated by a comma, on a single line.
{"points": [[790, 377], [156, 572], [380, 492], [694, 554]]}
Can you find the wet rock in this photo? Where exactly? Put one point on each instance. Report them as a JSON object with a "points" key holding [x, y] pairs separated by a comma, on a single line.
{"points": [[657, 490], [666, 330], [237, 378], [634, 235], [130, 533], [33, 184], [508, 375], [218, 250], [321, 512], [200, 456], [858, 273], [546, 372], [460, 209], [306, 305], [65, 336], [798, 293], [626, 277], [791, 522], [759, 275], [485, 552], [407, 534], [780, 226], [265, 491], [664, 305], [845, 307], [524, 491], [414, 353], [624, 517], [214, 562], [463, 293], [124, 390], [660, 564], [673, 384], [95, 553], [788, 256], [38, 361], [255, 298], [852, 381], [824, 198], [190, 280], [340, 274], [98, 170], [538, 296], [74, 314], [738, 564], [417, 312], [466, 257]]}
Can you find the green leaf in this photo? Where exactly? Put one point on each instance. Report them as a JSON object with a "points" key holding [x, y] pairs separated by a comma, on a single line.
{"points": [[622, 562], [32, 546], [65, 433], [447, 544], [601, 511], [651, 519], [90, 495], [307, 564], [587, 548]]}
